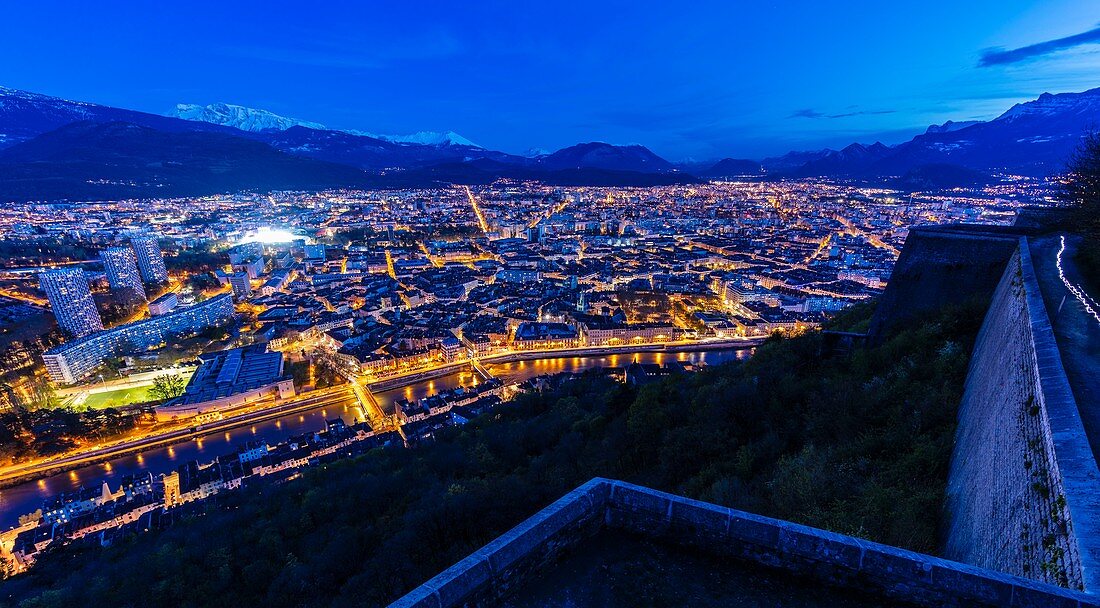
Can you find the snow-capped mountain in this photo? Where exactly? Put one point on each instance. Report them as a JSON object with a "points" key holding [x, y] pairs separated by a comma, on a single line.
{"points": [[423, 138], [256, 120], [240, 117], [1063, 106], [25, 115]]}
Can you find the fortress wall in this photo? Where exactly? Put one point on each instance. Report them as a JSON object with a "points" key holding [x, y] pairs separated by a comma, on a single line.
{"points": [[942, 266], [1022, 473]]}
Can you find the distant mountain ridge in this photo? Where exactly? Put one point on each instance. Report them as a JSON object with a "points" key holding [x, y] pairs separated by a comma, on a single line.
{"points": [[257, 121], [951, 125], [56, 149], [600, 155], [733, 167], [239, 117], [25, 115], [99, 161], [1032, 138], [49, 149]]}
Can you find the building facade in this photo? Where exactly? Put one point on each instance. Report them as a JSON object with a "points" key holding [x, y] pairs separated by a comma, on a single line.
{"points": [[71, 301], [150, 260], [164, 304], [120, 264], [242, 285], [76, 359]]}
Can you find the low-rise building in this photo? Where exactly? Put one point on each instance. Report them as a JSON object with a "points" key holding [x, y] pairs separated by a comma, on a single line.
{"points": [[536, 336], [230, 379], [164, 304]]}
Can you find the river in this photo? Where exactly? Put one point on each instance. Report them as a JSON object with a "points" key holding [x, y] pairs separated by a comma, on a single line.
{"points": [[26, 497]]}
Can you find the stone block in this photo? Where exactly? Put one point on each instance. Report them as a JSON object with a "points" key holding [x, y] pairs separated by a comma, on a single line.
{"points": [[534, 534], [820, 546], [881, 562], [422, 597], [754, 529], [969, 584], [638, 508], [462, 580], [699, 519], [1026, 596]]}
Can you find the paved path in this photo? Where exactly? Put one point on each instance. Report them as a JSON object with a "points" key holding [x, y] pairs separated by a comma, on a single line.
{"points": [[1075, 328]]}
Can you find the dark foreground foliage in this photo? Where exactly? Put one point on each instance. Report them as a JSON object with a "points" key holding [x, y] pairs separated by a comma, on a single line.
{"points": [[1081, 193], [859, 444]]}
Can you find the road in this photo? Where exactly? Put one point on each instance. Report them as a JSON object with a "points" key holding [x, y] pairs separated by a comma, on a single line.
{"points": [[484, 225], [358, 391], [25, 298], [1075, 323]]}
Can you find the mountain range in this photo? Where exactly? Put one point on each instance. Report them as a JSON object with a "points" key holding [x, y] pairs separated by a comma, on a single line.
{"points": [[52, 148], [253, 120]]}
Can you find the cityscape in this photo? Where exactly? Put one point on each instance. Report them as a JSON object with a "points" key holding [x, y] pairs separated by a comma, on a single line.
{"points": [[247, 358]]}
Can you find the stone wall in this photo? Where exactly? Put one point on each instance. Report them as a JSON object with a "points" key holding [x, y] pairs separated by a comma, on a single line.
{"points": [[501, 567], [943, 266], [1019, 496]]}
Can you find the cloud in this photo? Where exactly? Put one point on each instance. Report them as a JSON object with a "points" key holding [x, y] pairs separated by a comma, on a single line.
{"points": [[811, 113], [1000, 56]]}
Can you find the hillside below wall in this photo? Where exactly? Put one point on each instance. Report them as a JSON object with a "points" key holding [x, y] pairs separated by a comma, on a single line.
{"points": [[1019, 486]]}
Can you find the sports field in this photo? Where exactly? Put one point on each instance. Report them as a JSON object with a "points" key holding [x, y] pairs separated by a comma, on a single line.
{"points": [[119, 398]]}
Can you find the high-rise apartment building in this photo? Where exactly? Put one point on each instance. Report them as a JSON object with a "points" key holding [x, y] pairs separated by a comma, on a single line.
{"points": [[71, 300], [76, 359], [120, 264], [150, 260]]}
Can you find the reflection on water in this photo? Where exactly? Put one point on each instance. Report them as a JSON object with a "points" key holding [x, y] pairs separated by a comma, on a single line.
{"points": [[27, 497]]}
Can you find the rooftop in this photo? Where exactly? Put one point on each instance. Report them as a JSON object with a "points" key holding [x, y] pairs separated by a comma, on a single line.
{"points": [[233, 371]]}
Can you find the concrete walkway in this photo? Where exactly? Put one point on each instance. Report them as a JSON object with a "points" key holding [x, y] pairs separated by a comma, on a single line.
{"points": [[1077, 331]]}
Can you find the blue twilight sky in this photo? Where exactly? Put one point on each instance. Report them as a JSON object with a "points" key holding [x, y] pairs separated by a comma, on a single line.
{"points": [[688, 79]]}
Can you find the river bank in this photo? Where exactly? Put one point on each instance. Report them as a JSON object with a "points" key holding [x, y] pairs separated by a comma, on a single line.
{"points": [[27, 496]]}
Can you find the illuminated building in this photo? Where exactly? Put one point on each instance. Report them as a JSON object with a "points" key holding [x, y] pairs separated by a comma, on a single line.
{"points": [[120, 264], [76, 359], [71, 301], [150, 260]]}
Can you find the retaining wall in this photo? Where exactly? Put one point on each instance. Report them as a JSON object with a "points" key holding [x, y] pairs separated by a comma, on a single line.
{"points": [[1022, 479]]}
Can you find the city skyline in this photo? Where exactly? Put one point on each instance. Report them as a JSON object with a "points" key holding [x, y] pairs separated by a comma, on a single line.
{"points": [[596, 305], [719, 80]]}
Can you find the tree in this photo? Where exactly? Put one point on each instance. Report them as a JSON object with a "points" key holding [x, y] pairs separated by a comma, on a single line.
{"points": [[1081, 193], [168, 386], [43, 394], [1081, 188]]}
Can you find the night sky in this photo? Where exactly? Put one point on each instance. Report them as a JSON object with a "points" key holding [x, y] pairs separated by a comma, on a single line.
{"points": [[687, 79]]}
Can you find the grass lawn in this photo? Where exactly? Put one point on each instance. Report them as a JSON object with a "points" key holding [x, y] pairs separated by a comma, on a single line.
{"points": [[119, 398]]}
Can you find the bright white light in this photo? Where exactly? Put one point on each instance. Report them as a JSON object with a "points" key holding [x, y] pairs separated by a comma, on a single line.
{"points": [[1075, 289], [268, 235]]}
